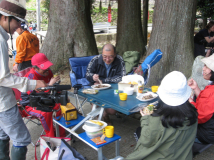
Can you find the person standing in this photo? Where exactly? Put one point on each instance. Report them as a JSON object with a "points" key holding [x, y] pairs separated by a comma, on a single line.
{"points": [[11, 123], [27, 45]]}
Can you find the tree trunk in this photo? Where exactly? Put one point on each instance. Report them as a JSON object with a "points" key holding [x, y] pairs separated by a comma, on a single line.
{"points": [[70, 32], [172, 33], [145, 19], [129, 27], [204, 22]]}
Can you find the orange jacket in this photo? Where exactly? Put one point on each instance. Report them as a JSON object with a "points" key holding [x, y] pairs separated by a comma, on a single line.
{"points": [[27, 45]]}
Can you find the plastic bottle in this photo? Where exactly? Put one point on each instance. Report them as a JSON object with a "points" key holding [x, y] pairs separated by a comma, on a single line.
{"points": [[140, 88]]}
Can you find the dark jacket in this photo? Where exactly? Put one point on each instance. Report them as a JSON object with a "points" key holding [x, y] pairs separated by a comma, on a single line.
{"points": [[97, 66], [159, 143]]}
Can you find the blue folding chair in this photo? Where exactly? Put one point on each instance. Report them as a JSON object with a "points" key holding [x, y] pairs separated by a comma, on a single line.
{"points": [[78, 67]]}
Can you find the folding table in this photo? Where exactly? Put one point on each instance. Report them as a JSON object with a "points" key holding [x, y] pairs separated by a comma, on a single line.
{"points": [[104, 99]]}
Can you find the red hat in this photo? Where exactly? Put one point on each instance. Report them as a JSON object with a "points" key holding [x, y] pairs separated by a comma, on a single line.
{"points": [[40, 60]]}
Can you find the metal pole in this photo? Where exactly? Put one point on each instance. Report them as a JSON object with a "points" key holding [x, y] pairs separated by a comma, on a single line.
{"points": [[38, 14]]}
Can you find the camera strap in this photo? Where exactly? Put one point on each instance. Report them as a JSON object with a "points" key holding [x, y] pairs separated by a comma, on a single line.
{"points": [[54, 116]]}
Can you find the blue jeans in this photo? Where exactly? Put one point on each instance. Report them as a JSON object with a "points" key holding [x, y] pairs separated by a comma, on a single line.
{"points": [[13, 127]]}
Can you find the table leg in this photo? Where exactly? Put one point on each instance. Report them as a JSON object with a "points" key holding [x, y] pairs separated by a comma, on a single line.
{"points": [[101, 114], [94, 107], [57, 130], [117, 148], [100, 154], [78, 105]]}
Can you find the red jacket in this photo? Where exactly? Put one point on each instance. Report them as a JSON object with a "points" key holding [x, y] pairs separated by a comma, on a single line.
{"points": [[205, 104], [33, 74]]}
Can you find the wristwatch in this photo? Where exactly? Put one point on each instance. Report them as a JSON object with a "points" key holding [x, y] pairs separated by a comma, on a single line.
{"points": [[16, 63]]}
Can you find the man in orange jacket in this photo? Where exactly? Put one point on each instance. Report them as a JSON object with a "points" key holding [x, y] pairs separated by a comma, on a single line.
{"points": [[27, 45]]}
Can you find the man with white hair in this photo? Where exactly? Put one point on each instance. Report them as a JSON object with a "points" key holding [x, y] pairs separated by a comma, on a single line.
{"points": [[11, 123]]}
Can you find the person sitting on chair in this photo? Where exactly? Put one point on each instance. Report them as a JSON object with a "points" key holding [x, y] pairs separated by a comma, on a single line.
{"points": [[169, 132], [41, 71], [108, 68], [27, 45], [204, 103]]}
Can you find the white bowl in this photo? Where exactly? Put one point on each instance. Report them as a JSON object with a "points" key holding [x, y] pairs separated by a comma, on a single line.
{"points": [[91, 129], [92, 135], [129, 91]]}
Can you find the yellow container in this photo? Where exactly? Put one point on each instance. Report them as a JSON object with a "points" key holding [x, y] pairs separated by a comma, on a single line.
{"points": [[69, 111], [108, 131], [123, 96], [154, 88]]}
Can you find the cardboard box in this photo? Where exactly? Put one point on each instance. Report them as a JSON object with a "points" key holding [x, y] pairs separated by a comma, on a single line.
{"points": [[122, 86]]}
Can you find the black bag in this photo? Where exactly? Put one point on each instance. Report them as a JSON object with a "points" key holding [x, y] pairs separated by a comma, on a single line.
{"points": [[66, 152]]}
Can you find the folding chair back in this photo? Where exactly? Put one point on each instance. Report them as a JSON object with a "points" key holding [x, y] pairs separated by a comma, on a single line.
{"points": [[78, 66], [148, 63]]}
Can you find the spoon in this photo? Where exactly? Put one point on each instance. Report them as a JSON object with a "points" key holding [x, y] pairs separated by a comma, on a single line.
{"points": [[100, 81]]}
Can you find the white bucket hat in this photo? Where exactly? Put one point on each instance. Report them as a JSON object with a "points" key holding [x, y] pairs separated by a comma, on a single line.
{"points": [[13, 8], [209, 61], [173, 89]]}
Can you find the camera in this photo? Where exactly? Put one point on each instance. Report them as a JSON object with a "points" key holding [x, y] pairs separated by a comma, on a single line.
{"points": [[49, 96]]}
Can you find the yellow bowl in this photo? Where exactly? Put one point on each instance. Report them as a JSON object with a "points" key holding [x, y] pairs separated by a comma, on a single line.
{"points": [[123, 96], [154, 88]]}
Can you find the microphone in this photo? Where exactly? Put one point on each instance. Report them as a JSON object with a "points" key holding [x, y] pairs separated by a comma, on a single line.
{"points": [[56, 87]]}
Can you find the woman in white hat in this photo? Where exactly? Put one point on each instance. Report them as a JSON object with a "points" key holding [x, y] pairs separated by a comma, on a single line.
{"points": [[205, 103], [169, 132]]}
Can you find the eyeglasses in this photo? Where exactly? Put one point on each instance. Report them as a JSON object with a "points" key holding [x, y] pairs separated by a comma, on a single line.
{"points": [[108, 57], [17, 20]]}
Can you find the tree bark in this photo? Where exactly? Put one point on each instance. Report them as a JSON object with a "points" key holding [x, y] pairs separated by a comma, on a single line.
{"points": [[172, 33], [70, 32], [145, 19], [204, 22], [129, 27]]}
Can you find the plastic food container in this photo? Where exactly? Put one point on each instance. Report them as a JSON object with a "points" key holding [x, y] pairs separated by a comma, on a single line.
{"points": [[129, 91], [94, 134]]}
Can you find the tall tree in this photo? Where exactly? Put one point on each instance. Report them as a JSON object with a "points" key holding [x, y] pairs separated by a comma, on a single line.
{"points": [[129, 27], [70, 31], [206, 7], [145, 20], [173, 27]]}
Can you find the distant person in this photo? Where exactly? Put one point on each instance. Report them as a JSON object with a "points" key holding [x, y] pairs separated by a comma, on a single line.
{"points": [[34, 25], [108, 68], [169, 132], [12, 126], [204, 38], [27, 45]]}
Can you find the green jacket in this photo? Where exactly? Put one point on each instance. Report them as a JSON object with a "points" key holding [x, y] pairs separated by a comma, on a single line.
{"points": [[159, 143]]}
